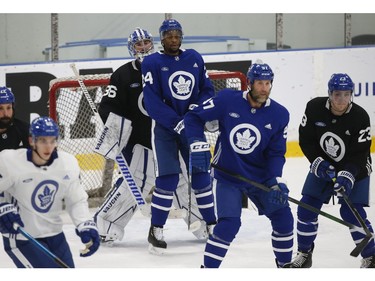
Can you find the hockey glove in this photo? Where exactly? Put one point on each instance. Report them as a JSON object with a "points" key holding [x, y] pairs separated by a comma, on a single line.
{"points": [[344, 183], [323, 169], [278, 193], [89, 236], [8, 216], [200, 155]]}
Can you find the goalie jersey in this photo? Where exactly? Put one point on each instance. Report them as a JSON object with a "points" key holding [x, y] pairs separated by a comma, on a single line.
{"points": [[41, 192], [252, 142]]}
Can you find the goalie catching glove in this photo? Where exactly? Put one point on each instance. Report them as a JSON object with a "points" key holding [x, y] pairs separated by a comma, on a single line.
{"points": [[8, 216], [200, 155], [278, 194], [88, 232]]}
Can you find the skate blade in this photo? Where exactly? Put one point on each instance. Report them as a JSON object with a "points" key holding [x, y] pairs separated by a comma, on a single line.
{"points": [[155, 250]]}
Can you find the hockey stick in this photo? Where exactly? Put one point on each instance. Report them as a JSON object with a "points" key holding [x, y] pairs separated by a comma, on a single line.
{"points": [[56, 259], [189, 190], [120, 160], [297, 202], [369, 235]]}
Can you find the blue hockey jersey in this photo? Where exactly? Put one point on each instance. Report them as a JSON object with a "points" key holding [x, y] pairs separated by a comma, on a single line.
{"points": [[173, 83], [252, 141]]}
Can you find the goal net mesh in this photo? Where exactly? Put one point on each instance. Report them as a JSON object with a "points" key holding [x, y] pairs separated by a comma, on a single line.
{"points": [[79, 129]]}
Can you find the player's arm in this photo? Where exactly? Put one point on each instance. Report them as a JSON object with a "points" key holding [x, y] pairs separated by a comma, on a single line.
{"points": [[206, 89], [211, 109], [358, 150], [307, 138], [111, 101], [277, 146], [153, 99]]}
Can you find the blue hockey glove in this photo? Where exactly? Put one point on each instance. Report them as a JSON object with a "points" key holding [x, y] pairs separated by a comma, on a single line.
{"points": [[8, 216], [200, 155], [89, 236], [344, 183], [323, 169], [278, 194]]}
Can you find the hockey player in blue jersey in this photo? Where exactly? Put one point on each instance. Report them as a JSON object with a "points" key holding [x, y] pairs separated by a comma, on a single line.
{"points": [[334, 135], [175, 81], [252, 143], [42, 180]]}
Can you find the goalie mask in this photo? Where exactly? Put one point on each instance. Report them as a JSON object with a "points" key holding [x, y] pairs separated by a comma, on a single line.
{"points": [[6, 97], [140, 44]]}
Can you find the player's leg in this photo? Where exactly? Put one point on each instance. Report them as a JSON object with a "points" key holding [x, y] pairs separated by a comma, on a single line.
{"points": [[26, 255], [360, 198], [229, 207], [315, 192], [167, 167]]}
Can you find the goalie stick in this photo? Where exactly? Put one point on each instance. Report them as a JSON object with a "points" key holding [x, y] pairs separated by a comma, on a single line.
{"points": [[120, 160], [359, 247], [56, 259]]}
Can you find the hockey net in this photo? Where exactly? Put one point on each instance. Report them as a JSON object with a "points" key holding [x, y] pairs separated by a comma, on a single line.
{"points": [[79, 129]]}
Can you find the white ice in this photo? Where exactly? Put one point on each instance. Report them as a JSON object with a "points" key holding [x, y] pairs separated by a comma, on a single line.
{"points": [[251, 250]]}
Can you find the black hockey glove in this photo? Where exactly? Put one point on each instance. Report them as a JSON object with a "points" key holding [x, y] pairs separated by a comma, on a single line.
{"points": [[8, 216], [323, 169]]}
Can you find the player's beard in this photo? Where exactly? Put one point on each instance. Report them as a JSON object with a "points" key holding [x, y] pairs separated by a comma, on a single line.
{"points": [[257, 97], [6, 122]]}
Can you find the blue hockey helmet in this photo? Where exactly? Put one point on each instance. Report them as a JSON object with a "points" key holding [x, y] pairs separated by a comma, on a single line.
{"points": [[44, 127], [140, 35], [6, 96], [170, 24], [259, 71], [340, 82]]}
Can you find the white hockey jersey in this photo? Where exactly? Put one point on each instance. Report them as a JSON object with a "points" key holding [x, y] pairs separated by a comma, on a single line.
{"points": [[42, 192]]}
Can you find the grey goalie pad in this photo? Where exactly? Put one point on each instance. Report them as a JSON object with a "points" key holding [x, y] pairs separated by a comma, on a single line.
{"points": [[115, 213], [181, 201], [119, 205]]}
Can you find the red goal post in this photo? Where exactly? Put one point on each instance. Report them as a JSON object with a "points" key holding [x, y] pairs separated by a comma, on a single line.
{"points": [[79, 129]]}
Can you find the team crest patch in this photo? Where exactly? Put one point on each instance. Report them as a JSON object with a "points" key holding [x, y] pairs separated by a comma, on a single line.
{"points": [[333, 146], [181, 84], [44, 195], [244, 138]]}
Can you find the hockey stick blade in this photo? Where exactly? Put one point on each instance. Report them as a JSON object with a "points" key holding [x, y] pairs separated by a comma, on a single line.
{"points": [[359, 248]]}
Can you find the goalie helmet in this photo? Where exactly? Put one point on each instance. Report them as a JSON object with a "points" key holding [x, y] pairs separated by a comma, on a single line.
{"points": [[259, 71], [44, 126], [140, 44], [168, 25], [340, 82], [6, 96]]}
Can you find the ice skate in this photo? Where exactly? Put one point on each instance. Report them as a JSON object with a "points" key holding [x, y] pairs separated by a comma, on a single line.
{"points": [[157, 245], [368, 262], [302, 260]]}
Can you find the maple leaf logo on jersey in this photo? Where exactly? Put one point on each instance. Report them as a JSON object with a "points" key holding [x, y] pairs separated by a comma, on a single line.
{"points": [[46, 197], [182, 86], [331, 147], [244, 140]]}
